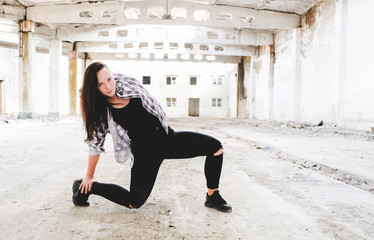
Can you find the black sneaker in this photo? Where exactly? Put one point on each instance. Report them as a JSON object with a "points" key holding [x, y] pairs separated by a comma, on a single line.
{"points": [[217, 202], [79, 199]]}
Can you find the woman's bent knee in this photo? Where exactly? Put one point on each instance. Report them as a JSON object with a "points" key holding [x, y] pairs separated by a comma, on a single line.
{"points": [[219, 152], [137, 200], [133, 207]]}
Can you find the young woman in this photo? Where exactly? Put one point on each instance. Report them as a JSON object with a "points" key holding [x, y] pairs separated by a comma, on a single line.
{"points": [[119, 105]]}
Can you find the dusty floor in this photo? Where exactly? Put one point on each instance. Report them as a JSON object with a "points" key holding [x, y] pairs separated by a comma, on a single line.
{"points": [[283, 181]]}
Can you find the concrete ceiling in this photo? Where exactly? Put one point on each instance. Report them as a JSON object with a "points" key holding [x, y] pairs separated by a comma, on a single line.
{"points": [[219, 28]]}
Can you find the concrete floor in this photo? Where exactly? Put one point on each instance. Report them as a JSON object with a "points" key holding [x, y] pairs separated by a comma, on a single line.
{"points": [[282, 182]]}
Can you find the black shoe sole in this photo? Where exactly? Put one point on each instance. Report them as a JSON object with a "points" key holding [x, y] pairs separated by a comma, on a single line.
{"points": [[226, 210]]}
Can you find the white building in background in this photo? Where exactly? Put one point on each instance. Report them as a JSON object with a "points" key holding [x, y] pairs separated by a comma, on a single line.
{"points": [[186, 89]]}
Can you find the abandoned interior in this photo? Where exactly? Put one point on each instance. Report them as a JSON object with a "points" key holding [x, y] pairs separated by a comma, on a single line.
{"points": [[286, 84]]}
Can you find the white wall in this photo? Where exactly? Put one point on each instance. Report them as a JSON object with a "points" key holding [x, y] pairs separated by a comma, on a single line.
{"points": [[41, 86], [323, 71], [9, 73], [359, 65], [259, 84]]}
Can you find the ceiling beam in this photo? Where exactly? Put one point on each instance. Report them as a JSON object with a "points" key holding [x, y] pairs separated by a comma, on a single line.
{"points": [[161, 33], [166, 48], [14, 13], [11, 28], [112, 56], [182, 13]]}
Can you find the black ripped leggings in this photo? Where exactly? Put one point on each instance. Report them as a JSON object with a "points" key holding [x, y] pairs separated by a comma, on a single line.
{"points": [[148, 156]]}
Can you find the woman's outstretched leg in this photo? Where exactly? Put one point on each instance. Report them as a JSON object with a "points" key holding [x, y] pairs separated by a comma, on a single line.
{"points": [[191, 144]]}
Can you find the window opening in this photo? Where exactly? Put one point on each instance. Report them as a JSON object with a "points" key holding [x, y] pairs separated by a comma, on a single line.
{"points": [[147, 80], [85, 14], [193, 80], [171, 102], [178, 13], [171, 80], [201, 15], [132, 13], [156, 12], [216, 102], [109, 14], [122, 33], [217, 81]]}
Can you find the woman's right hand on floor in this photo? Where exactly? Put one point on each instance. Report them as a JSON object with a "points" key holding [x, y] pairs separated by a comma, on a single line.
{"points": [[86, 184]]}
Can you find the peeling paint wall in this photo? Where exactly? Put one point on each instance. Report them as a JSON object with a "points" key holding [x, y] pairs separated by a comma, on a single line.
{"points": [[320, 63], [258, 84], [322, 71], [284, 76]]}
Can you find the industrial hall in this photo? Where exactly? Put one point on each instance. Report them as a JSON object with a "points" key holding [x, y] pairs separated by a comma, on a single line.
{"points": [[285, 85]]}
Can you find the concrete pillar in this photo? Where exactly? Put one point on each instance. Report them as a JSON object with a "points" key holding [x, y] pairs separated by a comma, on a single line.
{"points": [[86, 62], [252, 87], [341, 109], [233, 88], [271, 84], [73, 68], [298, 80], [247, 78], [1, 96], [55, 56], [241, 98], [27, 51]]}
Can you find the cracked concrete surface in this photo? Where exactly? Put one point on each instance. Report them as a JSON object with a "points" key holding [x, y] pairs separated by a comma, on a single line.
{"points": [[283, 183]]}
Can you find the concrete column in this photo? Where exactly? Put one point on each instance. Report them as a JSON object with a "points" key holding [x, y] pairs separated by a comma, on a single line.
{"points": [[85, 63], [341, 109], [252, 87], [1, 96], [73, 66], [241, 99], [55, 56], [247, 80], [298, 80], [271, 84], [233, 88], [27, 51]]}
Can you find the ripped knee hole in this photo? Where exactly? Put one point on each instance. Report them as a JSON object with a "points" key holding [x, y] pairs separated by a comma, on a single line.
{"points": [[219, 152]]}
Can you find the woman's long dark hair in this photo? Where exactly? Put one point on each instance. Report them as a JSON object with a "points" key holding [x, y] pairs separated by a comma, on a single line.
{"points": [[93, 102]]}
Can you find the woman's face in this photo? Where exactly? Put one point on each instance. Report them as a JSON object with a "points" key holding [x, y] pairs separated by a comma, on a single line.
{"points": [[106, 83]]}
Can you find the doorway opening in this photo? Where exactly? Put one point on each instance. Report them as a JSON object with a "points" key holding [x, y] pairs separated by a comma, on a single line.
{"points": [[193, 107]]}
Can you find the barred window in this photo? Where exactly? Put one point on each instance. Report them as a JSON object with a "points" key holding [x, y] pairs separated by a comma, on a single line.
{"points": [[216, 102]]}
